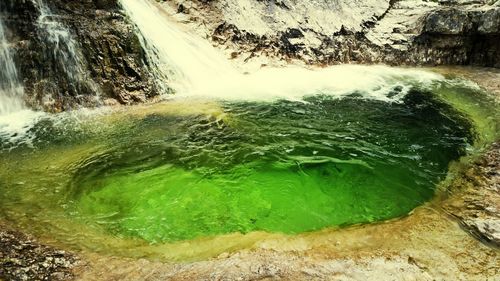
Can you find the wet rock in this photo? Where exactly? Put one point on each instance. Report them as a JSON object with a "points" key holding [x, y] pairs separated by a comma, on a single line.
{"points": [[110, 44], [182, 9], [477, 208], [23, 258], [448, 22], [110, 53], [105, 4], [490, 22], [378, 31]]}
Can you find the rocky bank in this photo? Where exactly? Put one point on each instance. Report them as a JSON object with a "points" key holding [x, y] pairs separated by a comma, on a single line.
{"points": [[23, 258], [106, 63], [396, 32], [476, 206]]}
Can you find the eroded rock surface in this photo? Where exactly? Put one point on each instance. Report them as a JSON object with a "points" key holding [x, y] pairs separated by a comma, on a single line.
{"points": [[327, 32], [478, 205]]}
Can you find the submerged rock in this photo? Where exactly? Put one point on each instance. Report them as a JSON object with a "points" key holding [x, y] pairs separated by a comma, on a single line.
{"points": [[23, 258]]}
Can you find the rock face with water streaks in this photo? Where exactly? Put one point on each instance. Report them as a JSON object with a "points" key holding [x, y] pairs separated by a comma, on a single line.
{"points": [[377, 31], [74, 53], [106, 63], [111, 48]]}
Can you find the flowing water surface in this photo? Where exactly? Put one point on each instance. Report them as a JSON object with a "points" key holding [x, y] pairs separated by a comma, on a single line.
{"points": [[190, 169], [279, 167]]}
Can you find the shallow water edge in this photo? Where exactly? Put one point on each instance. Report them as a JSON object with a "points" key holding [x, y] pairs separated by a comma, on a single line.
{"points": [[417, 245]]}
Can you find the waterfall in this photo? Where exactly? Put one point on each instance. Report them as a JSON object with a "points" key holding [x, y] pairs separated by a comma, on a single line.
{"points": [[187, 60], [11, 90], [15, 119], [64, 51], [196, 68]]}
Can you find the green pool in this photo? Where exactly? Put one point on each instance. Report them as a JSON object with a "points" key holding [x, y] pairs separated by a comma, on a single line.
{"points": [[179, 171]]}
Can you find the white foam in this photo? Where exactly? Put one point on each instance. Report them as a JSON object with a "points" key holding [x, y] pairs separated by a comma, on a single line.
{"points": [[15, 127], [195, 68], [294, 83]]}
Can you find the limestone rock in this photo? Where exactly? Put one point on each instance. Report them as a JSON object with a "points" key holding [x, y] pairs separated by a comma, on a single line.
{"points": [[397, 32], [448, 22], [478, 206]]}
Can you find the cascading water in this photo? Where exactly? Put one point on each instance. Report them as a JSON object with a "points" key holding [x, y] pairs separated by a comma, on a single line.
{"points": [[15, 119], [11, 90], [63, 50], [197, 69], [188, 60]]}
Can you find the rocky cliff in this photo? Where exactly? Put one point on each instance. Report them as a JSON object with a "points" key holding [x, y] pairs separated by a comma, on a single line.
{"points": [[397, 32], [76, 53], [103, 61]]}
